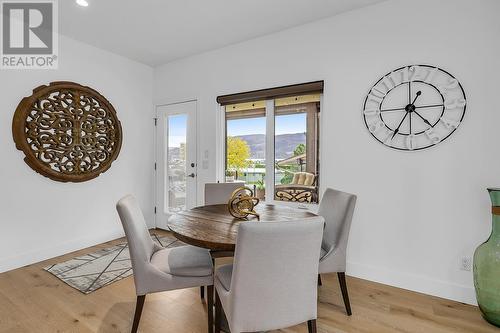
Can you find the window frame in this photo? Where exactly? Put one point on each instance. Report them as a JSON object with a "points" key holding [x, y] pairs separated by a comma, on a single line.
{"points": [[269, 179]]}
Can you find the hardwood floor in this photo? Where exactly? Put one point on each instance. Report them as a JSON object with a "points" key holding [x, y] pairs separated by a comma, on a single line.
{"points": [[32, 300]]}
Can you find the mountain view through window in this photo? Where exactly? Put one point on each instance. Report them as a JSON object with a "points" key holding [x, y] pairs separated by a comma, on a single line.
{"points": [[295, 147]]}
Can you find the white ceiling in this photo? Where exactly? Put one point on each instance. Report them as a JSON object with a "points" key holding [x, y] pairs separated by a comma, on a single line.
{"points": [[159, 31]]}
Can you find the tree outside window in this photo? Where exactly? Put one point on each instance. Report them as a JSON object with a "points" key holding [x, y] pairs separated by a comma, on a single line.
{"points": [[238, 154]]}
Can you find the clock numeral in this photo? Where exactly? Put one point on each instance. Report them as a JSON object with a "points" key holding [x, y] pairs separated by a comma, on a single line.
{"points": [[451, 84], [385, 85], [374, 97], [433, 136], [389, 81], [372, 111], [388, 138], [417, 73], [410, 142], [374, 128], [431, 76], [406, 74], [453, 103], [449, 123], [378, 92], [397, 78]]}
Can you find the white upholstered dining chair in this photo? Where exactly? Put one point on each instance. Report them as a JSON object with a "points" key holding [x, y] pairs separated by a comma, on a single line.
{"points": [[160, 269], [267, 288], [337, 208], [219, 193]]}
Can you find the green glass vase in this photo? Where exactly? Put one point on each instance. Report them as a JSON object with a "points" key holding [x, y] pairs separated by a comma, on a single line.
{"points": [[487, 267]]}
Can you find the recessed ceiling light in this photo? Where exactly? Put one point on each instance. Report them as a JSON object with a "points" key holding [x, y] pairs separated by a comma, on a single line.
{"points": [[82, 3]]}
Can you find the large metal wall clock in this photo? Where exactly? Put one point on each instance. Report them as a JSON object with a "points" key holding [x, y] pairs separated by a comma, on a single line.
{"points": [[414, 107]]}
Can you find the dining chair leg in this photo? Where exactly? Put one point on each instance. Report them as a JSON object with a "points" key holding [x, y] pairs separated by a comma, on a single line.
{"points": [[210, 306], [202, 292], [345, 295], [311, 326], [319, 280], [138, 312], [218, 312]]}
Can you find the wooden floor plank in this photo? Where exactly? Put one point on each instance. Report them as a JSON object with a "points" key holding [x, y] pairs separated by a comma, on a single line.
{"points": [[32, 300]]}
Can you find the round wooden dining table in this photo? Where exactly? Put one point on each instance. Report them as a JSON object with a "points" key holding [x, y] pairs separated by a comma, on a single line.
{"points": [[212, 227]]}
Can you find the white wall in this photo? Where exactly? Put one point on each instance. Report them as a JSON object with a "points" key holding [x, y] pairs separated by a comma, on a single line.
{"points": [[41, 218], [419, 212]]}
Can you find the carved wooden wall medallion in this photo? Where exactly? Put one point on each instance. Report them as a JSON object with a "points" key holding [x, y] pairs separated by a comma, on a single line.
{"points": [[68, 132]]}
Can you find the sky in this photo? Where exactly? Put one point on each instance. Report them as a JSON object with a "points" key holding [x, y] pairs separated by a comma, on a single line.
{"points": [[176, 130], [293, 123]]}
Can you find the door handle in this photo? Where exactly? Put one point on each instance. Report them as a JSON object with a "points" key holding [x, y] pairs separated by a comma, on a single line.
{"points": [[192, 175]]}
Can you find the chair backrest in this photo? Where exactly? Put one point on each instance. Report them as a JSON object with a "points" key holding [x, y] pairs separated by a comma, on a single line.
{"points": [[219, 193], [303, 178], [274, 280], [140, 244], [337, 208]]}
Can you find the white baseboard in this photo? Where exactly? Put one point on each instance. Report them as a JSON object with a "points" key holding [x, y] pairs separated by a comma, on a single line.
{"points": [[34, 256], [390, 277], [418, 283]]}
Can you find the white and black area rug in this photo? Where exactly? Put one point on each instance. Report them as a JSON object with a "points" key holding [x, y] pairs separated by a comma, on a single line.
{"points": [[95, 270]]}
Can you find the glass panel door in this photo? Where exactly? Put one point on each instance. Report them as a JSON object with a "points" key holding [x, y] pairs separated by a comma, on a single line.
{"points": [[176, 162], [176, 165]]}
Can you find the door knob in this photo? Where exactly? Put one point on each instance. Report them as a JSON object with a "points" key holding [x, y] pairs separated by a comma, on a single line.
{"points": [[192, 175]]}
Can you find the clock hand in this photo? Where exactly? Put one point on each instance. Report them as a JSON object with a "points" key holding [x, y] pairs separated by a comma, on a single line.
{"points": [[397, 129], [418, 94], [425, 120], [404, 108]]}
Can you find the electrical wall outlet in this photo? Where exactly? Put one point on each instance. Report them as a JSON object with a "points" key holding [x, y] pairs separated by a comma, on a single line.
{"points": [[466, 264]]}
